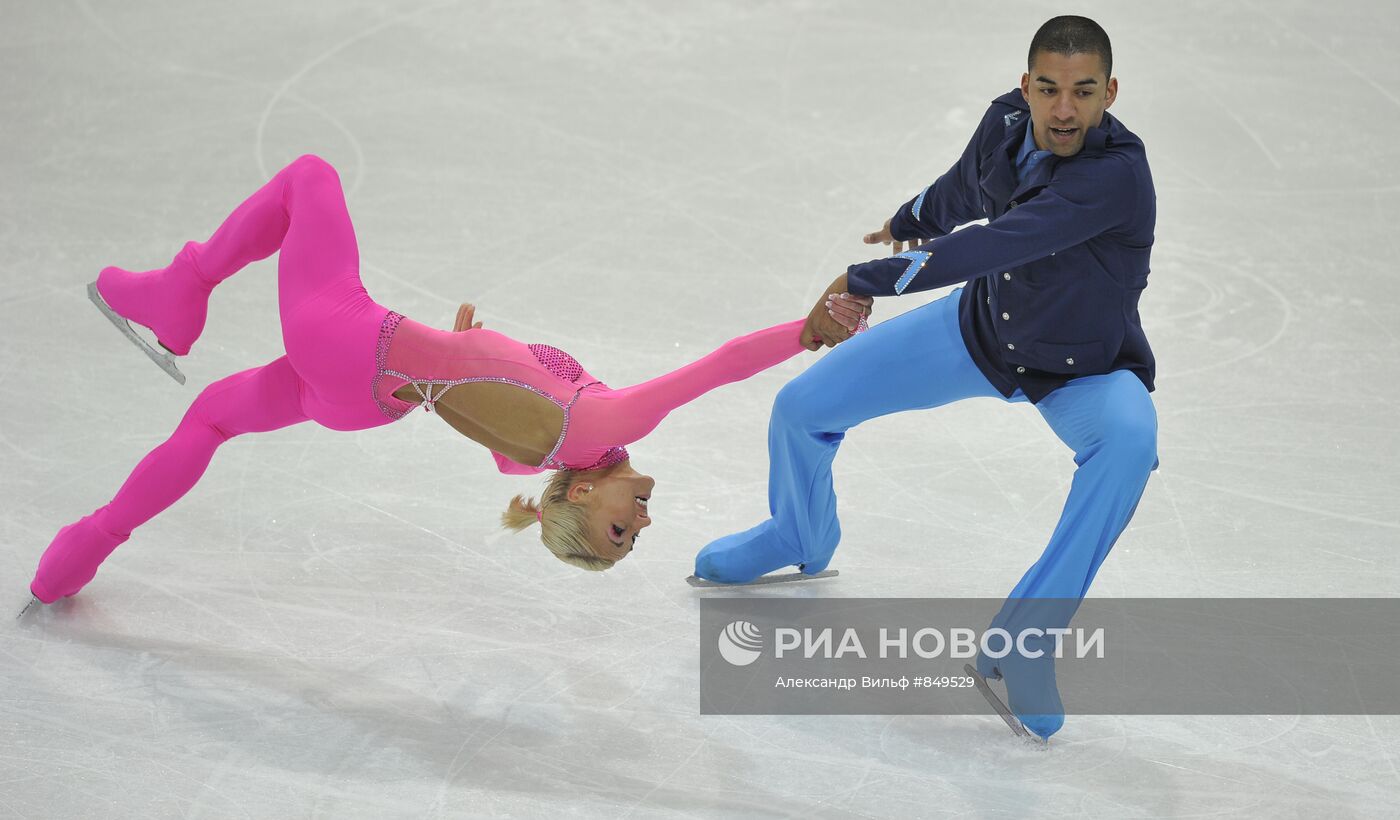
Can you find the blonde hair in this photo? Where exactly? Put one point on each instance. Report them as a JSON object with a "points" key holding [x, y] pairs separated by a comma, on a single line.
{"points": [[563, 524]]}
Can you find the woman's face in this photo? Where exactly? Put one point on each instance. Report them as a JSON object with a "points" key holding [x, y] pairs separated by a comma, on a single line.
{"points": [[617, 509]]}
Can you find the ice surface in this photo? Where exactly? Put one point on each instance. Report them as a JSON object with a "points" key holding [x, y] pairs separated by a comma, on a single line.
{"points": [[331, 625]]}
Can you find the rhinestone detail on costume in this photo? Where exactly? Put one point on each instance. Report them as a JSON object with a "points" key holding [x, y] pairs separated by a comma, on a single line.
{"points": [[614, 455], [381, 356], [555, 360], [919, 203], [550, 463], [916, 264]]}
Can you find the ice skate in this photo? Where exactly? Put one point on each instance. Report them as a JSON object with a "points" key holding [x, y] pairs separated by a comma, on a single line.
{"points": [[173, 302], [1001, 708], [771, 578], [72, 559], [32, 601], [164, 360], [752, 557]]}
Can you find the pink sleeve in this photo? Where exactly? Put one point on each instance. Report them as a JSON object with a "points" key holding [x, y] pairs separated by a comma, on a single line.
{"points": [[635, 411], [509, 467]]}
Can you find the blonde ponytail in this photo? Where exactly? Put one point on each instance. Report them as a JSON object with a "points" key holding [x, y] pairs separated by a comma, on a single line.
{"points": [[563, 524], [520, 514]]}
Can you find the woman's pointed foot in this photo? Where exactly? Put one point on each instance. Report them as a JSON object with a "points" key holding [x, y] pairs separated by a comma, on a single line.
{"points": [[72, 559], [173, 302]]}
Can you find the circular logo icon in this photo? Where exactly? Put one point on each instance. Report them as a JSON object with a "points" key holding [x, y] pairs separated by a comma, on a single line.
{"points": [[740, 643]]}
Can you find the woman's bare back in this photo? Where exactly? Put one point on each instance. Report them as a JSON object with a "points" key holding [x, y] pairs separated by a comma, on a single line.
{"points": [[517, 423]]}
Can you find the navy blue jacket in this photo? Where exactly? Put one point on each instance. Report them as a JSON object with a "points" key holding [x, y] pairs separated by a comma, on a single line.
{"points": [[1054, 276]]}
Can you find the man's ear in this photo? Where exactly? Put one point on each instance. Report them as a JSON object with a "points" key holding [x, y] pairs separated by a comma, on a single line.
{"points": [[1026, 87], [1111, 92]]}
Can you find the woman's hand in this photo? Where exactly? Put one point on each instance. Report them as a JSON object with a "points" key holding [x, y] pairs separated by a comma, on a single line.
{"points": [[822, 329], [849, 309], [465, 314], [835, 317]]}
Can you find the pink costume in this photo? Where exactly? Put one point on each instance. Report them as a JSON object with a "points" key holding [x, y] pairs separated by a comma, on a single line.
{"points": [[345, 356], [598, 420]]}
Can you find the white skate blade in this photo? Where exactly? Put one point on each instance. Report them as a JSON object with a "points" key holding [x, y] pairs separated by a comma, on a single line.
{"points": [[164, 360], [28, 606], [776, 578], [1001, 709]]}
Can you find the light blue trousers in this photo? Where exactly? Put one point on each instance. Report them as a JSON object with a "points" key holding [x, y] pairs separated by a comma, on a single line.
{"points": [[918, 360]]}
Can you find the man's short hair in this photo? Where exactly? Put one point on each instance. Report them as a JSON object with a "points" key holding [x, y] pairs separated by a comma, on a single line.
{"points": [[1070, 35]]}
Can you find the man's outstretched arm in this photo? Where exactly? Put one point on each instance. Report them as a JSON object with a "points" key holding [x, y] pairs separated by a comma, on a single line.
{"points": [[1078, 204]]}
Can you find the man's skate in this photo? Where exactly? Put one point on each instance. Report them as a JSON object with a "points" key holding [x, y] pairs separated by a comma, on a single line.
{"points": [[771, 578], [754, 557], [1001, 708]]}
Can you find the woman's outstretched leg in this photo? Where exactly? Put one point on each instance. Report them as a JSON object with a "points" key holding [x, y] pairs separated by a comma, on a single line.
{"points": [[300, 211], [254, 401]]}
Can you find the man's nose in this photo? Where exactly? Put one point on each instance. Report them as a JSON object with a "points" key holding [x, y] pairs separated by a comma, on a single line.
{"points": [[1063, 109]]}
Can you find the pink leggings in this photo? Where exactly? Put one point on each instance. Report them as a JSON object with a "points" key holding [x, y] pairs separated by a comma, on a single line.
{"points": [[330, 330]]}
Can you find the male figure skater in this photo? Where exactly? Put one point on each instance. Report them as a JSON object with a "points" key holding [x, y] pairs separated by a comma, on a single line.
{"points": [[1048, 315]]}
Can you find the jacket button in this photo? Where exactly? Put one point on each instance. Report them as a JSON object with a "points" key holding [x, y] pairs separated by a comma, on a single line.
{"points": [[1006, 316], [1020, 370], [989, 300], [1011, 204], [1010, 346], [1069, 361], [1006, 275]]}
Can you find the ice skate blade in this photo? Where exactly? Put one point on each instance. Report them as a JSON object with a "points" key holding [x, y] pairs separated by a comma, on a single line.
{"points": [[1006, 714], [776, 578], [164, 360], [32, 601]]}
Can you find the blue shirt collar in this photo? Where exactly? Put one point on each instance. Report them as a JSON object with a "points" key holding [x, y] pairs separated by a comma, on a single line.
{"points": [[1029, 156]]}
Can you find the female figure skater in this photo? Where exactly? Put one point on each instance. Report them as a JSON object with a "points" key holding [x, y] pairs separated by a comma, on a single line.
{"points": [[351, 364]]}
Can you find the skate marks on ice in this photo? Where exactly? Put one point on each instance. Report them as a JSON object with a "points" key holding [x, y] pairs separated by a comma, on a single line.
{"points": [[164, 360], [774, 578], [1001, 708]]}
